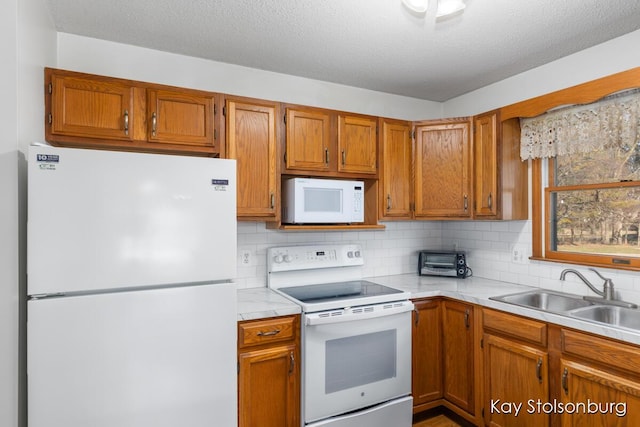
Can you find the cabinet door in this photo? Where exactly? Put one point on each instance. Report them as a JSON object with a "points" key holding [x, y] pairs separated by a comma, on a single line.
{"points": [[180, 117], [597, 398], [458, 354], [426, 352], [91, 108], [268, 388], [357, 144], [308, 140], [251, 140], [515, 374], [442, 170], [486, 165], [395, 166]]}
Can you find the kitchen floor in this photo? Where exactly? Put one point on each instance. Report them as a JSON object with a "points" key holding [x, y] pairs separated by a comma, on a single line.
{"points": [[438, 418]]}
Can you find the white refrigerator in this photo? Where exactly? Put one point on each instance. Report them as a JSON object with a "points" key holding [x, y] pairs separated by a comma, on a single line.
{"points": [[131, 311]]}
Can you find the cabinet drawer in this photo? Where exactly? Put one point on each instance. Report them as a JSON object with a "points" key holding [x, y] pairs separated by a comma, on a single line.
{"points": [[266, 331], [514, 326], [611, 354]]}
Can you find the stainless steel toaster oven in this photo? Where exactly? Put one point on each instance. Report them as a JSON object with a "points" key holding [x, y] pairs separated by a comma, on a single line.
{"points": [[443, 263]]}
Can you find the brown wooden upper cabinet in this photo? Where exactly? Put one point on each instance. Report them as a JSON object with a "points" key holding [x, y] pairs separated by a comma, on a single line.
{"points": [[308, 140], [85, 110], [330, 144], [442, 165], [357, 144], [395, 198], [251, 140], [500, 177], [84, 106], [182, 117]]}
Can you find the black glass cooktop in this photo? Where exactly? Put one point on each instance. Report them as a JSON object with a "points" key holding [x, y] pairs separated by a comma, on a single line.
{"points": [[337, 291]]}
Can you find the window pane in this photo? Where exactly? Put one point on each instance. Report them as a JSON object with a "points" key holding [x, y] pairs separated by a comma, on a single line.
{"points": [[615, 164], [596, 221]]}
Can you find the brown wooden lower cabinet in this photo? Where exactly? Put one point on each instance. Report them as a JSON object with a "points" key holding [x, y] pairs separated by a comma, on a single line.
{"points": [[458, 355], [593, 397], [444, 357], [515, 376], [557, 376], [269, 372], [427, 354]]}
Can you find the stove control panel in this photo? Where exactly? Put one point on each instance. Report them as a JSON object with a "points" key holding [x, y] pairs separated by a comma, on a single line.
{"points": [[291, 258]]}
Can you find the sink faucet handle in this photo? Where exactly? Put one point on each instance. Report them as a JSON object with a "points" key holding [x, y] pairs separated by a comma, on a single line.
{"points": [[600, 275], [608, 285]]}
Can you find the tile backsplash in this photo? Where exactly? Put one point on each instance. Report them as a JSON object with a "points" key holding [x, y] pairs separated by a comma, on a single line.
{"points": [[489, 245]]}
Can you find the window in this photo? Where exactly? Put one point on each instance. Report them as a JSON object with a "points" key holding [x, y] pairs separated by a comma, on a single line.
{"points": [[593, 207], [586, 171]]}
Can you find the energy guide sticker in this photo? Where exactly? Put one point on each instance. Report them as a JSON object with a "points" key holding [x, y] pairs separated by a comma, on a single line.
{"points": [[220, 184], [47, 161]]}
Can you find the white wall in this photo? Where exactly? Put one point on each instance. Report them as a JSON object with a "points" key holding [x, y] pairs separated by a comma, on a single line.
{"points": [[125, 61], [614, 56], [28, 44], [8, 218]]}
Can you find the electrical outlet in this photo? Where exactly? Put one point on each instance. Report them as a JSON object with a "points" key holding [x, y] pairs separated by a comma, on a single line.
{"points": [[519, 254], [245, 257]]}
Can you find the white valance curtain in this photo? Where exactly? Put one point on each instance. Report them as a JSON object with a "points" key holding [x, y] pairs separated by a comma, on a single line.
{"points": [[612, 121]]}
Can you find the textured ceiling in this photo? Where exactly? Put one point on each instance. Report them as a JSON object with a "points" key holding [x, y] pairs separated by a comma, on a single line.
{"points": [[372, 44]]}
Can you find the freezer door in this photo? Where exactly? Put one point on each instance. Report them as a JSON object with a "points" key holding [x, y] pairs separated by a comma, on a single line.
{"points": [[155, 358], [103, 219]]}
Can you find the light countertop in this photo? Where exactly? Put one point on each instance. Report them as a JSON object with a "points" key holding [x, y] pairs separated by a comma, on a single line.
{"points": [[256, 303]]}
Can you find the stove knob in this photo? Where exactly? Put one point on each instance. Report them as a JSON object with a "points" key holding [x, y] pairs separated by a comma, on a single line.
{"points": [[357, 254], [278, 259], [350, 254], [287, 258]]}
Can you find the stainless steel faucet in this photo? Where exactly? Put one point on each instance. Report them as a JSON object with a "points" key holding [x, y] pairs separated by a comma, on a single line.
{"points": [[607, 293]]}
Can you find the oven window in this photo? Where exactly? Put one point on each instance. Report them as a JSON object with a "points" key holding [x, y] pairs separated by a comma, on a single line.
{"points": [[322, 200], [359, 360]]}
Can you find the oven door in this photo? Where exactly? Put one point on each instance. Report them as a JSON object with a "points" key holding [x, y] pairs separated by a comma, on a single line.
{"points": [[355, 358]]}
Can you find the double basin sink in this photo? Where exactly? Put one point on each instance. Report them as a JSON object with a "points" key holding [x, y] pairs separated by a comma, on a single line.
{"points": [[576, 307]]}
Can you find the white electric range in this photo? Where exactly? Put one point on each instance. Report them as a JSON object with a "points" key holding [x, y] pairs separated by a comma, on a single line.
{"points": [[356, 337]]}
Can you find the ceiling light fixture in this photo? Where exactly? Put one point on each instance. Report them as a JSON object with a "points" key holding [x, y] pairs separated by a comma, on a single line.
{"points": [[449, 7], [445, 7], [418, 6]]}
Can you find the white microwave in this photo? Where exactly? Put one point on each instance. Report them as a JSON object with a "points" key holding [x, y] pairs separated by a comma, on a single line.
{"points": [[317, 201]]}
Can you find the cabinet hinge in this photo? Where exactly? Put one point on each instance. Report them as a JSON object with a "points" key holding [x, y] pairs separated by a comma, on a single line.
{"points": [[413, 134], [285, 157], [224, 111], [238, 366], [482, 343], [215, 134], [215, 109], [50, 88], [284, 117], [482, 412], [50, 118]]}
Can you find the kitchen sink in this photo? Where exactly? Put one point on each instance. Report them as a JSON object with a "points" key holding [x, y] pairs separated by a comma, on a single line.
{"points": [[610, 315], [555, 302]]}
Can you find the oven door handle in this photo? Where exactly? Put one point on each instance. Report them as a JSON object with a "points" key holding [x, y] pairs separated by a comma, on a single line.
{"points": [[357, 313]]}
